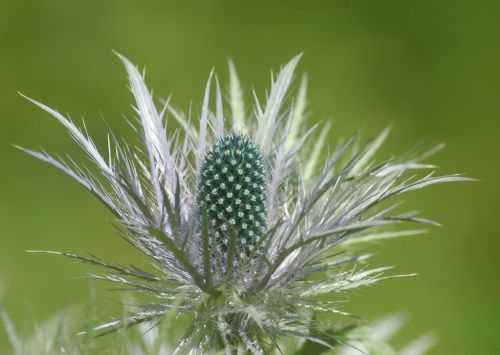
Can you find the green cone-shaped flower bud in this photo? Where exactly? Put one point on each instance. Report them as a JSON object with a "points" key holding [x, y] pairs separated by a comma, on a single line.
{"points": [[233, 190]]}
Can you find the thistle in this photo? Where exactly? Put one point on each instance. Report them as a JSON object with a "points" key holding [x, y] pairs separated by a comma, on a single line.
{"points": [[233, 189], [249, 234]]}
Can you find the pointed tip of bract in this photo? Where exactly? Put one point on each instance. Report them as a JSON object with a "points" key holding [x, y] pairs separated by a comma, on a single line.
{"points": [[26, 97], [37, 103], [129, 66], [212, 73], [232, 70], [23, 149], [294, 61], [297, 57], [119, 55], [387, 129], [122, 58]]}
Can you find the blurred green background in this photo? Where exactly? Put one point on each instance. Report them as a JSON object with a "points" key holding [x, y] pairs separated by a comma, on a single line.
{"points": [[430, 68]]}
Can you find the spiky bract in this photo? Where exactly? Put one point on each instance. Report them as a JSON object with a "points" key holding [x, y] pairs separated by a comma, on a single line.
{"points": [[233, 189], [315, 213]]}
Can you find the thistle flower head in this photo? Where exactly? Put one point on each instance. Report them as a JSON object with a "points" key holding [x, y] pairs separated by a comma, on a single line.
{"points": [[243, 224], [233, 189]]}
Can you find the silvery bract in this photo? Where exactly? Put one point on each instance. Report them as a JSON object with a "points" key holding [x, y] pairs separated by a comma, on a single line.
{"points": [[248, 231]]}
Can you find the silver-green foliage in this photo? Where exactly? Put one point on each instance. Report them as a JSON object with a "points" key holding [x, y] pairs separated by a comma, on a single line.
{"points": [[314, 212], [56, 336]]}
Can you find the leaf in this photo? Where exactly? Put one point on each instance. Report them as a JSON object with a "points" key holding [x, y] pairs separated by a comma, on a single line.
{"points": [[236, 101]]}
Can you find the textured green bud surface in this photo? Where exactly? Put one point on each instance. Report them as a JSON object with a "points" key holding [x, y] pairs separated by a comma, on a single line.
{"points": [[233, 190]]}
